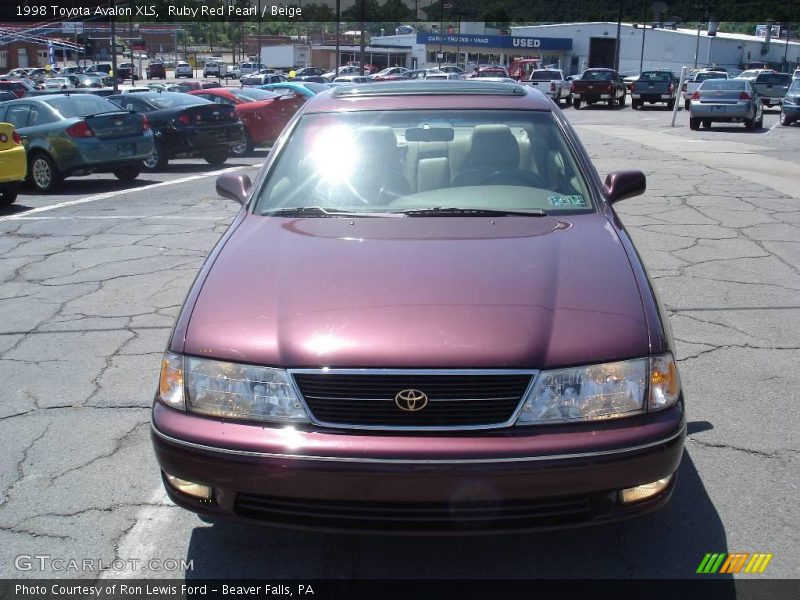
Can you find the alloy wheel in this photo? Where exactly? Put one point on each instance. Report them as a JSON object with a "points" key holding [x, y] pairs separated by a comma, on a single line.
{"points": [[42, 173]]}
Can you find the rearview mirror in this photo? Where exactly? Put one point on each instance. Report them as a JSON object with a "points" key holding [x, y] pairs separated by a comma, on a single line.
{"points": [[234, 186], [624, 184]]}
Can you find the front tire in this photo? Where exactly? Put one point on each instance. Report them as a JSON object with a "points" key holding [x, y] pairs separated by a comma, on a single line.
{"points": [[694, 124], [568, 101], [43, 173], [750, 124], [671, 105], [157, 161], [622, 100], [216, 159], [9, 195], [245, 148], [127, 173], [576, 104], [784, 120], [686, 104]]}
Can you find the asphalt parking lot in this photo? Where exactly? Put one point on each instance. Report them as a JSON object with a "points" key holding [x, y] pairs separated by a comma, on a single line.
{"points": [[93, 276]]}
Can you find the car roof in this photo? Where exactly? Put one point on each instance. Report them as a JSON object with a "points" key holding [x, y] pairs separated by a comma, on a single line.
{"points": [[410, 94]]}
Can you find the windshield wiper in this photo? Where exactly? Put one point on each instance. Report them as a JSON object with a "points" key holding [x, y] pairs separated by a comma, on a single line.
{"points": [[472, 212], [318, 211]]}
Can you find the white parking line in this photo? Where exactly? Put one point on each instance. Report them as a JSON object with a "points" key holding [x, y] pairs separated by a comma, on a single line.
{"points": [[106, 195], [773, 127]]}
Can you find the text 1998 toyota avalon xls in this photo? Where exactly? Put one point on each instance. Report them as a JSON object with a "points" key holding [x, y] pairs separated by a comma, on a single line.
{"points": [[427, 317]]}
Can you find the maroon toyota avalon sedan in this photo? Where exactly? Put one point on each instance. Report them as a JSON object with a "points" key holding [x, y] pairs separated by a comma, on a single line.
{"points": [[426, 318]]}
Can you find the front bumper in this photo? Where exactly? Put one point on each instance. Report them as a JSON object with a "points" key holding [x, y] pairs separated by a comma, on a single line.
{"points": [[13, 165], [722, 112], [201, 140], [94, 154], [510, 480], [792, 111], [645, 97]]}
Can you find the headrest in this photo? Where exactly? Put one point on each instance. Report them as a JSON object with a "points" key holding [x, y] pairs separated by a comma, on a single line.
{"points": [[493, 146]]}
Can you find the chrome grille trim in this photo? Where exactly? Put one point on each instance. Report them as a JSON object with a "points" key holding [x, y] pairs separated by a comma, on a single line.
{"points": [[532, 373]]}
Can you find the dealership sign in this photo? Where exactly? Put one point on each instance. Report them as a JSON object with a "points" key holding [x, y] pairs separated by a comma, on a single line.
{"points": [[510, 42]]}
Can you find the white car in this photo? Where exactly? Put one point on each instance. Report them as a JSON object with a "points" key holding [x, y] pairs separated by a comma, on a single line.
{"points": [[352, 79], [796, 74], [233, 72], [442, 76], [183, 69], [214, 69], [247, 68], [346, 70]]}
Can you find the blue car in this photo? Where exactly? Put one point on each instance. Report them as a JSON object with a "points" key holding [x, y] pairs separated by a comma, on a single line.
{"points": [[300, 88], [78, 134]]}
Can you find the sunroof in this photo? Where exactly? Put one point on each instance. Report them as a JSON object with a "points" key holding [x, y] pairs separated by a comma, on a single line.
{"points": [[427, 88]]}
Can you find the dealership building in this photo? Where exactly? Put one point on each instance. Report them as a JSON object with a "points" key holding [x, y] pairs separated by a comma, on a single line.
{"points": [[577, 46]]}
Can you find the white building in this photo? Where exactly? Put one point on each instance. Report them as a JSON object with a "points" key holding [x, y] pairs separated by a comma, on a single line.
{"points": [[577, 46], [593, 44]]}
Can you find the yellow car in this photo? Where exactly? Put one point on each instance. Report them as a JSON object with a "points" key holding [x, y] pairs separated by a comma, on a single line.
{"points": [[13, 163]]}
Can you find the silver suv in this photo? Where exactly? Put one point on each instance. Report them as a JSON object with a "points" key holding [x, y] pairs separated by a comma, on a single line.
{"points": [[212, 69]]}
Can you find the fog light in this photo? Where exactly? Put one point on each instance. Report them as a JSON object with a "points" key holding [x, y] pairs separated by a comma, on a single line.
{"points": [[643, 492], [189, 488]]}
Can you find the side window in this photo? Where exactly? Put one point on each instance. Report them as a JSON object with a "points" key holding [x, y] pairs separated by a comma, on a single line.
{"points": [[221, 100], [18, 115]]}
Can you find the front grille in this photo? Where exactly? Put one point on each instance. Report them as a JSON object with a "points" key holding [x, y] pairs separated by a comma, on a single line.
{"points": [[423, 517], [454, 400]]}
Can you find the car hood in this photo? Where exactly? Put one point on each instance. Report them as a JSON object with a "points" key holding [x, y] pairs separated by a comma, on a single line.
{"points": [[424, 292]]}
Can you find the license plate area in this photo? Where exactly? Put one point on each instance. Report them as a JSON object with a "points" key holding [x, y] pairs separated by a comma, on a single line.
{"points": [[126, 149]]}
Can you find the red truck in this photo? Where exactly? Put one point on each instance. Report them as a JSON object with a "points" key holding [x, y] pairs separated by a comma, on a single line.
{"points": [[599, 85]]}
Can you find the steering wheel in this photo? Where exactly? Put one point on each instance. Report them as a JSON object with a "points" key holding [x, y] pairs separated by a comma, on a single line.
{"points": [[527, 178]]}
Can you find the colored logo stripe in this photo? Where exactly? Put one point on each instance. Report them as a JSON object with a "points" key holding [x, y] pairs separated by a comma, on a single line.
{"points": [[716, 562]]}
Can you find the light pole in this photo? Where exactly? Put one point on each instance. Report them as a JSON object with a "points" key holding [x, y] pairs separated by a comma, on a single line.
{"points": [[114, 49], [338, 27], [619, 36], [644, 33]]}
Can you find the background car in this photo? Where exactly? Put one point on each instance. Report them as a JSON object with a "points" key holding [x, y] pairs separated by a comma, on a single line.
{"points": [[78, 134], [258, 79], [387, 73], [790, 108], [263, 114], [654, 87], [97, 68], [772, 87], [183, 69], [692, 84], [13, 163], [303, 88], [232, 72], [184, 125], [18, 87], [213, 69], [155, 70], [796, 74], [127, 71], [726, 101], [351, 79], [599, 85], [58, 83], [308, 72], [248, 68], [5, 96], [344, 70]]}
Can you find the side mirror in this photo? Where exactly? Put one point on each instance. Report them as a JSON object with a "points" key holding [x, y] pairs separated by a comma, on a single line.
{"points": [[624, 184], [234, 186]]}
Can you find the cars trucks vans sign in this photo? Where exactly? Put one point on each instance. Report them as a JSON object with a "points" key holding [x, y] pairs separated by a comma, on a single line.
{"points": [[496, 41]]}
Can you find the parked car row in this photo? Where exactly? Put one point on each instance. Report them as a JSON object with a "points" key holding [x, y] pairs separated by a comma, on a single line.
{"points": [[136, 128]]}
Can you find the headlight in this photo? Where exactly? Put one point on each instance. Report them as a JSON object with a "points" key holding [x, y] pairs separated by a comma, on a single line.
{"points": [[793, 100], [230, 390], [604, 391]]}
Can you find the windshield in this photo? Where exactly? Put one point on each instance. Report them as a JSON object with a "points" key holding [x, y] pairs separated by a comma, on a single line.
{"points": [[774, 78], [399, 161], [174, 99], [252, 94], [795, 87], [723, 84], [655, 76], [705, 76], [545, 75], [82, 105], [597, 76]]}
